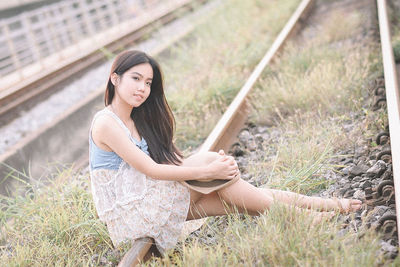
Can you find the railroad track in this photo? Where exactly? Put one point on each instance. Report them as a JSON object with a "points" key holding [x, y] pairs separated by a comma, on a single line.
{"points": [[232, 121]]}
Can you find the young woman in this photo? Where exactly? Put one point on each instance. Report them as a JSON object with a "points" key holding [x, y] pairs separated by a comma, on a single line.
{"points": [[137, 171]]}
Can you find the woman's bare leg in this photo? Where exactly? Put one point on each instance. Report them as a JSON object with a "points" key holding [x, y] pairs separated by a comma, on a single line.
{"points": [[237, 199], [318, 203], [211, 205], [247, 198]]}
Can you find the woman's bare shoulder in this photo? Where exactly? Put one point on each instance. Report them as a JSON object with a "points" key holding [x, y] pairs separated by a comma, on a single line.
{"points": [[105, 127]]}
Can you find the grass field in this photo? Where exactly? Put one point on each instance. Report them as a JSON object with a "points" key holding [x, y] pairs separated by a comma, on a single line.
{"points": [[308, 96]]}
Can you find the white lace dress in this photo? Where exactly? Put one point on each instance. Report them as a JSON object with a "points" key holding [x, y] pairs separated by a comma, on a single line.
{"points": [[134, 205]]}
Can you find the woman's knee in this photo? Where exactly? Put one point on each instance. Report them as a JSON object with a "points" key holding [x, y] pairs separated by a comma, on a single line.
{"points": [[230, 190]]}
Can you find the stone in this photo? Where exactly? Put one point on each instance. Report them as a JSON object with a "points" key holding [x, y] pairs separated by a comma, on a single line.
{"points": [[346, 161], [387, 247], [347, 186], [378, 211], [262, 129], [359, 169], [341, 192], [357, 179], [360, 151], [377, 169], [237, 151], [346, 171], [387, 175], [359, 194], [365, 184], [244, 136], [344, 182], [259, 138], [251, 145], [349, 193]]}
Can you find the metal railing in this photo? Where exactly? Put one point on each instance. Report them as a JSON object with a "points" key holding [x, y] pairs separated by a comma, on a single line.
{"points": [[34, 35]]}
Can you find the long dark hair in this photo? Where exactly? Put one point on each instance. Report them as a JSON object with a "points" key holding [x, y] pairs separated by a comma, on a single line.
{"points": [[153, 119]]}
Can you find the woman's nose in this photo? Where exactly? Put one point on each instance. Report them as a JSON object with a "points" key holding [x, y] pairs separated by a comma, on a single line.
{"points": [[141, 86]]}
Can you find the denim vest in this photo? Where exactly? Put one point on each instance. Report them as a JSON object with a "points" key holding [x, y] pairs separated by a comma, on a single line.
{"points": [[101, 159]]}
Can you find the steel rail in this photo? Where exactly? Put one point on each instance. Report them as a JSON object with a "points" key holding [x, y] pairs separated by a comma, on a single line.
{"points": [[392, 99], [227, 128], [22, 94]]}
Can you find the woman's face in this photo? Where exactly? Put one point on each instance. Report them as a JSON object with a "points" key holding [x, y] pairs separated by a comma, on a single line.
{"points": [[133, 87]]}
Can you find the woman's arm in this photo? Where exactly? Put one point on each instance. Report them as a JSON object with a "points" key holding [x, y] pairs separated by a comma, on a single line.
{"points": [[109, 135]]}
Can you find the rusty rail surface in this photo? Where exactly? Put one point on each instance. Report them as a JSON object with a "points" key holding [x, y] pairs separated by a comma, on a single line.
{"points": [[234, 118], [392, 99]]}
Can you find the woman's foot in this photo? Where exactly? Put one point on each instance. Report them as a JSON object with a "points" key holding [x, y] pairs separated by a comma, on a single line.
{"points": [[345, 205]]}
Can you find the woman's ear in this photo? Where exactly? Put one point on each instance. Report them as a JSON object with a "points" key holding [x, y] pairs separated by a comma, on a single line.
{"points": [[114, 78]]}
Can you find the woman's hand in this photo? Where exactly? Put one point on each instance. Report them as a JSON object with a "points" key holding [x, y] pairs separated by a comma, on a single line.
{"points": [[224, 167]]}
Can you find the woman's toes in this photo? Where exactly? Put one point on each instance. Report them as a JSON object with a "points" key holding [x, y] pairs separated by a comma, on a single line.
{"points": [[356, 204], [350, 205]]}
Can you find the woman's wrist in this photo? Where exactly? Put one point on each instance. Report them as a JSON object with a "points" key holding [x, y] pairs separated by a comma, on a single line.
{"points": [[204, 173]]}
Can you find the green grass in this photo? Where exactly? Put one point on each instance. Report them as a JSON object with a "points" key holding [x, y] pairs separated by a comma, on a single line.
{"points": [[55, 225]]}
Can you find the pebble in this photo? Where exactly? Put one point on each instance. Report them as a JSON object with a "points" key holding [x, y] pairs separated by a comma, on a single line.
{"points": [[346, 170], [365, 184], [357, 179], [377, 169], [359, 194], [386, 247], [349, 193], [358, 169]]}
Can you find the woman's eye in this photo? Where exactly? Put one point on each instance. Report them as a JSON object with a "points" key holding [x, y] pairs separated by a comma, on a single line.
{"points": [[148, 83], [135, 78]]}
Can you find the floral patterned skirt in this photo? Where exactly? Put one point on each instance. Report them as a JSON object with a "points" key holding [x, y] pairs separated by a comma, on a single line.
{"points": [[134, 205]]}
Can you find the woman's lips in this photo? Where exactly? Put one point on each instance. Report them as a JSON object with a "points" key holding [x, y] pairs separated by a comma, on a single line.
{"points": [[138, 96]]}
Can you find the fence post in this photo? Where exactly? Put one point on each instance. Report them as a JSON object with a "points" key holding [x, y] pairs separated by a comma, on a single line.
{"points": [[11, 47], [29, 33]]}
